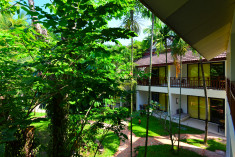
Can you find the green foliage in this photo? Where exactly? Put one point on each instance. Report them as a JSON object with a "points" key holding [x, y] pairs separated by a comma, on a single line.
{"points": [[157, 129], [163, 151], [95, 127], [212, 145], [70, 71]]}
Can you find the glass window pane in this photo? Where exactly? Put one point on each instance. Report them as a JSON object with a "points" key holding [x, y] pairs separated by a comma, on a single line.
{"points": [[202, 106], [193, 106], [162, 75], [217, 110], [206, 68], [162, 71], [193, 75], [162, 101]]}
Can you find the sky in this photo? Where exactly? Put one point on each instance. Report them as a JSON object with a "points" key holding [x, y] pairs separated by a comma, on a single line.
{"points": [[113, 23]]}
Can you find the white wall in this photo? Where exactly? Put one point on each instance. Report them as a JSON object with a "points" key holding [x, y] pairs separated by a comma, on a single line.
{"points": [[141, 98], [200, 92], [230, 150], [175, 106], [153, 89]]}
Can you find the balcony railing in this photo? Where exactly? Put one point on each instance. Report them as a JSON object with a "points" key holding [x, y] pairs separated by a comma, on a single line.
{"points": [[187, 82], [195, 82], [155, 81], [230, 89]]}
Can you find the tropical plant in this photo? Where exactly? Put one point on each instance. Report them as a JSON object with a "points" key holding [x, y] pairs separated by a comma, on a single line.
{"points": [[72, 72]]}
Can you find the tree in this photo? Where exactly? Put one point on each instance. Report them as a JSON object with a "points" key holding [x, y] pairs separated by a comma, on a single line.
{"points": [[130, 22], [207, 104], [76, 71], [179, 48], [149, 93]]}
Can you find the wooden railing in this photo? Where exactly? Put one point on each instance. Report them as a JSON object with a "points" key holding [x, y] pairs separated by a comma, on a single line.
{"points": [[155, 81], [187, 82], [230, 89], [195, 82]]}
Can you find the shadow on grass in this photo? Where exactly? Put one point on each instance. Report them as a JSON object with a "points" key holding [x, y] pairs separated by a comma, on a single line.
{"points": [[156, 128], [42, 135], [111, 144], [164, 151], [212, 145]]}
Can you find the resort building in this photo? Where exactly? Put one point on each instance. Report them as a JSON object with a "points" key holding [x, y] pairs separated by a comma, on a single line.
{"points": [[209, 27], [193, 100]]}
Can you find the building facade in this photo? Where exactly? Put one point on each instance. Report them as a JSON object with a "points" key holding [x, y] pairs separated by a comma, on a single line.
{"points": [[192, 91]]}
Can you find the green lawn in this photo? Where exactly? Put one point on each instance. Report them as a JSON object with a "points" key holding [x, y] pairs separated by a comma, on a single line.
{"points": [[164, 151], [37, 114], [111, 143], [156, 128], [42, 134], [212, 145]]}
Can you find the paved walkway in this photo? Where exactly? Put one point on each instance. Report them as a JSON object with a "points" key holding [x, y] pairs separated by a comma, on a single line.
{"points": [[124, 148]]}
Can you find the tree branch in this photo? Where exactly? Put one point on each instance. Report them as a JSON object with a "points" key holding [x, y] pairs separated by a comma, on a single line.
{"points": [[10, 6]]}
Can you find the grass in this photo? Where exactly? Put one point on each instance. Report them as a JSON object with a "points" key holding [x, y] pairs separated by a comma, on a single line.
{"points": [[164, 151], [156, 128], [42, 134], [36, 114], [111, 143], [212, 145]]}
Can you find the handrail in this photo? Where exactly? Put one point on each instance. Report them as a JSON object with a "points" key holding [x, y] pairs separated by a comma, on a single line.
{"points": [[195, 82], [230, 90], [187, 82]]}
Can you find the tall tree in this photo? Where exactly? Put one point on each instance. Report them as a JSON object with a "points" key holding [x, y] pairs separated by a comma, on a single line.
{"points": [[149, 89], [206, 99], [61, 73], [34, 18], [131, 22], [178, 48]]}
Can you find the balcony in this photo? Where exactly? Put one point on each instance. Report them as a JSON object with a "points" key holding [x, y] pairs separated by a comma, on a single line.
{"points": [[217, 83], [230, 89], [155, 81]]}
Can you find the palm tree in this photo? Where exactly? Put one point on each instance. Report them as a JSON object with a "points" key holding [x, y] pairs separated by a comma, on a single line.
{"points": [[130, 22], [179, 47]]}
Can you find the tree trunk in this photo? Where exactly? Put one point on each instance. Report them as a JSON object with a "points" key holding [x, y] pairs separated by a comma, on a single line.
{"points": [[180, 103], [207, 105], [58, 115], [169, 106], [149, 94], [131, 12], [34, 18]]}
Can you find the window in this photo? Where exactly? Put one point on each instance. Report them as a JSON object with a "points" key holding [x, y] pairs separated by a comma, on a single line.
{"points": [[197, 108], [162, 99], [193, 106]]}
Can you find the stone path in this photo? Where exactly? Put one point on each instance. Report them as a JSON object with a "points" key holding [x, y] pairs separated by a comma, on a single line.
{"points": [[124, 148]]}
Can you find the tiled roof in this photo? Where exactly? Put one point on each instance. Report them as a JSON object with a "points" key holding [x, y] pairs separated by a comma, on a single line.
{"points": [[160, 59]]}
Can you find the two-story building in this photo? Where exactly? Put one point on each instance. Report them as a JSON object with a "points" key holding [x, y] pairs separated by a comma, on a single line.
{"points": [[209, 27], [192, 91]]}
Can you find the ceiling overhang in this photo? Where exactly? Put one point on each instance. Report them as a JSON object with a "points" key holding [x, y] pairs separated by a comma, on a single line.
{"points": [[203, 24]]}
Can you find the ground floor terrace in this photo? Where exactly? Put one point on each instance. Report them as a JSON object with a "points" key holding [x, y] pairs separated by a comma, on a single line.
{"points": [[193, 107]]}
